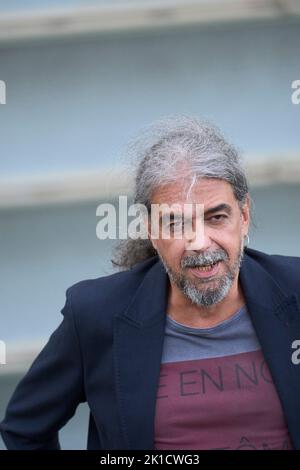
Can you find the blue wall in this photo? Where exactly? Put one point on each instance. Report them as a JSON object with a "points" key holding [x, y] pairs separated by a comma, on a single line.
{"points": [[74, 104]]}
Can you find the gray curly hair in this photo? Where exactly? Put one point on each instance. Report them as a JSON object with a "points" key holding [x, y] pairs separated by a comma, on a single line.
{"points": [[160, 153]]}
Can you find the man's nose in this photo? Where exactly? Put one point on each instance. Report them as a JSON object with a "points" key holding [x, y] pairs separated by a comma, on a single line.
{"points": [[198, 240]]}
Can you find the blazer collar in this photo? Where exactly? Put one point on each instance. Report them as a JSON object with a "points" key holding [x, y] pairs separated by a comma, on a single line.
{"points": [[138, 343]]}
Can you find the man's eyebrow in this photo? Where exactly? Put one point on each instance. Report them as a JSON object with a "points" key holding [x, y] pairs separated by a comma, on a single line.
{"points": [[220, 207]]}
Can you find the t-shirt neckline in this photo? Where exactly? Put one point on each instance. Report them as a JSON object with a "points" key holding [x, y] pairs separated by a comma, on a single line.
{"points": [[220, 326]]}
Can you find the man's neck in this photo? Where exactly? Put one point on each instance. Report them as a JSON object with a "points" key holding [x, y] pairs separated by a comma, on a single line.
{"points": [[182, 310]]}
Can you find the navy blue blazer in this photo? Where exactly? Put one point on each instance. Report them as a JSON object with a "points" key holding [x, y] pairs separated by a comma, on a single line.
{"points": [[107, 351]]}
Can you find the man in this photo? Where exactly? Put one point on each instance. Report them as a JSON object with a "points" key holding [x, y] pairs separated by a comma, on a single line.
{"points": [[190, 346]]}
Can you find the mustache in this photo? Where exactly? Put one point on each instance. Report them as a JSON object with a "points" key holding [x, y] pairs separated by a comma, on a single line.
{"points": [[204, 259]]}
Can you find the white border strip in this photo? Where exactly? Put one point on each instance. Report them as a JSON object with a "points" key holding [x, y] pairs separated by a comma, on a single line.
{"points": [[107, 183], [130, 15], [19, 357]]}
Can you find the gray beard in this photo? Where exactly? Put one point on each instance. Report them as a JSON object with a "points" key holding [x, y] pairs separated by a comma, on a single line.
{"points": [[206, 297]]}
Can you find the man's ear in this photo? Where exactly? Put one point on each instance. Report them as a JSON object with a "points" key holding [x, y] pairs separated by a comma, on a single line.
{"points": [[245, 212]]}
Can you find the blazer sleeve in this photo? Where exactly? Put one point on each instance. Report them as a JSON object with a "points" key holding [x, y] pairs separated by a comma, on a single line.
{"points": [[48, 395]]}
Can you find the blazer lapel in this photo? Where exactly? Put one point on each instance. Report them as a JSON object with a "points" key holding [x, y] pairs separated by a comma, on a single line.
{"points": [[138, 343], [276, 319]]}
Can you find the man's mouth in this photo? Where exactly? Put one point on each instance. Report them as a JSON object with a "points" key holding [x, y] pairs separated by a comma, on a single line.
{"points": [[206, 271]]}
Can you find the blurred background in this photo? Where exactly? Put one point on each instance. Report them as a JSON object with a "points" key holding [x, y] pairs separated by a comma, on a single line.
{"points": [[82, 78]]}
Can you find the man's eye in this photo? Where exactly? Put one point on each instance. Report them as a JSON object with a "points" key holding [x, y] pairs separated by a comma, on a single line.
{"points": [[218, 217], [176, 223]]}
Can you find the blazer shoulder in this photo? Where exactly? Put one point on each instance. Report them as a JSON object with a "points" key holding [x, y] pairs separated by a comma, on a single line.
{"points": [[108, 293], [285, 269]]}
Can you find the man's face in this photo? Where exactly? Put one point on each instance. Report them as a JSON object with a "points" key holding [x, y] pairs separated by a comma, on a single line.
{"points": [[205, 274]]}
